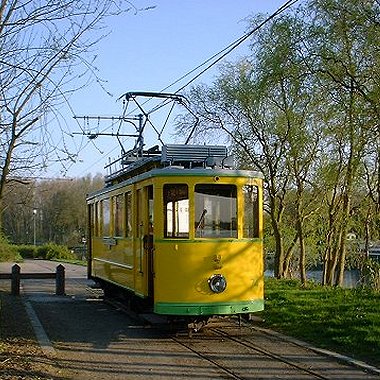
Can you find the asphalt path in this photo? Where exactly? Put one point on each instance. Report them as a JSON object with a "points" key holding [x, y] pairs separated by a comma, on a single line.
{"points": [[93, 340], [90, 339]]}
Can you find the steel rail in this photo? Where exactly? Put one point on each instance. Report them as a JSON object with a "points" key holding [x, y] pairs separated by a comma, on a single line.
{"points": [[213, 362], [269, 354]]}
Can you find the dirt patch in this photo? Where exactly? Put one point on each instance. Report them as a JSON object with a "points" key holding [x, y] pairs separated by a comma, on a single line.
{"points": [[20, 354]]}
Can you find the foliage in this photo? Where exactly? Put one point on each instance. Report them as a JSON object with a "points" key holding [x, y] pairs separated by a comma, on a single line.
{"points": [[27, 251], [303, 109], [346, 320], [8, 252], [52, 211], [48, 251], [53, 251], [370, 272]]}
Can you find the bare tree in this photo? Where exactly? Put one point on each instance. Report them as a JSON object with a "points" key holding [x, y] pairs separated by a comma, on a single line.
{"points": [[46, 53]]}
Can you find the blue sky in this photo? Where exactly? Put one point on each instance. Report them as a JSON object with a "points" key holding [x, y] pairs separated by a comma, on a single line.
{"points": [[146, 52]]}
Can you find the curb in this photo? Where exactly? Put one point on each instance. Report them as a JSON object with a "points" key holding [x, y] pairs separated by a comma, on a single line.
{"points": [[41, 336]]}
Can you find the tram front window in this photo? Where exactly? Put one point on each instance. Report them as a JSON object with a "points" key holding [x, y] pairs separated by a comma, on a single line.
{"points": [[176, 211], [215, 211]]}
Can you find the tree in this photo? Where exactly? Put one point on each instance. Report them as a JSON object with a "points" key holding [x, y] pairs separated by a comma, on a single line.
{"points": [[45, 54], [304, 110], [347, 70], [263, 105], [54, 210]]}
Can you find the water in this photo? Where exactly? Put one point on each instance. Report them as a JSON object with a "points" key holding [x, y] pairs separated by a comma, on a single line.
{"points": [[351, 277]]}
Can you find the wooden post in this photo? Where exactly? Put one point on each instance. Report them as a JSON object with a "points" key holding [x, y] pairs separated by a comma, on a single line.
{"points": [[15, 280], [60, 280]]}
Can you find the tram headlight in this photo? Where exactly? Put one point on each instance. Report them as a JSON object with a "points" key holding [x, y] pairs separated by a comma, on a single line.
{"points": [[217, 283]]}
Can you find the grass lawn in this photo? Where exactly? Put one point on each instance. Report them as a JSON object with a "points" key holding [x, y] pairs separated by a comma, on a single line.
{"points": [[342, 320]]}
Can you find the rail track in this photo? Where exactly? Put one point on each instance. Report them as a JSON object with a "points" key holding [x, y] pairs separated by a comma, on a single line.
{"points": [[239, 343], [105, 344], [239, 350]]}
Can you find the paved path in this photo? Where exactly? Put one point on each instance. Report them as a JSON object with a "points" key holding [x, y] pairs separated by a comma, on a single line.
{"points": [[89, 339]]}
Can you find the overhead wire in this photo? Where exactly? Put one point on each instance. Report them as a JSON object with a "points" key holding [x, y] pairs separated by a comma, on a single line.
{"points": [[223, 53], [215, 58], [232, 46]]}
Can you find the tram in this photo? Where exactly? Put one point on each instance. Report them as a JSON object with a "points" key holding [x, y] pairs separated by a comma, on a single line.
{"points": [[181, 229]]}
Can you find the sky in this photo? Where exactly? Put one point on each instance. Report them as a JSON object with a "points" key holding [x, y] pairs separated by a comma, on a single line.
{"points": [[147, 51]]}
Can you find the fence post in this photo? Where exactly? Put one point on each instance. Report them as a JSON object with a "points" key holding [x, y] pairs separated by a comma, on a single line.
{"points": [[15, 287], [60, 280]]}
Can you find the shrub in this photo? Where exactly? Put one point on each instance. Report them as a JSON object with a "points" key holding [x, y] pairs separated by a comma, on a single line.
{"points": [[53, 251], [8, 252], [48, 251], [27, 251]]}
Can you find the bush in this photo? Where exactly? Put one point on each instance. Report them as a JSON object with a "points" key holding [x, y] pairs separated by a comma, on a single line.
{"points": [[50, 251], [27, 251], [53, 251], [8, 252]]}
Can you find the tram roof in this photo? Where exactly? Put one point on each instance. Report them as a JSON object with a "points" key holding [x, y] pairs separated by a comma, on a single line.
{"points": [[176, 160], [171, 171]]}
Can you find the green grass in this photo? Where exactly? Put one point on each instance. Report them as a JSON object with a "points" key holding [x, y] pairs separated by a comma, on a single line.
{"points": [[343, 320]]}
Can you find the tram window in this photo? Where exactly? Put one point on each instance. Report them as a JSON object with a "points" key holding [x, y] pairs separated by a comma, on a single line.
{"points": [[215, 211], [96, 218], [91, 214], [251, 212], [118, 214], [106, 217], [128, 214], [150, 205], [176, 211]]}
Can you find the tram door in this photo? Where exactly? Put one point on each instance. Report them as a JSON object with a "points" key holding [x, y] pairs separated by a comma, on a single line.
{"points": [[145, 220]]}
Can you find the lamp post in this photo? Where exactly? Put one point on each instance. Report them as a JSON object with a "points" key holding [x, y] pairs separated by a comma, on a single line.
{"points": [[34, 226]]}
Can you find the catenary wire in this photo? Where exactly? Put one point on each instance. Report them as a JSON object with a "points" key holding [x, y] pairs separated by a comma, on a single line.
{"points": [[223, 53], [214, 59]]}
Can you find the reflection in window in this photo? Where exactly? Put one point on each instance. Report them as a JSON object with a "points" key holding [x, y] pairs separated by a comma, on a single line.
{"points": [[96, 219], [118, 214], [150, 205], [176, 211], [91, 210], [215, 211], [106, 217], [251, 212], [128, 214]]}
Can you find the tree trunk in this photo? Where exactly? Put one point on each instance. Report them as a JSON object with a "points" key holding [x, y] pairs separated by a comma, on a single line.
{"points": [[342, 246], [288, 258], [279, 253], [302, 263]]}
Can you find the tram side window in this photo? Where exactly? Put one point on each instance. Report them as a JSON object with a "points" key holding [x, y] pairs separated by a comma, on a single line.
{"points": [[128, 214], [106, 217], [91, 215], [215, 211], [96, 219], [251, 212], [118, 214], [176, 211]]}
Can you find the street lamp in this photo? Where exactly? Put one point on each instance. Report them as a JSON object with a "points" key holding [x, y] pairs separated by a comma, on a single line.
{"points": [[34, 226]]}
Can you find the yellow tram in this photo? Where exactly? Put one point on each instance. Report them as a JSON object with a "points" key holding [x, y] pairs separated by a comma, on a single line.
{"points": [[182, 230]]}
